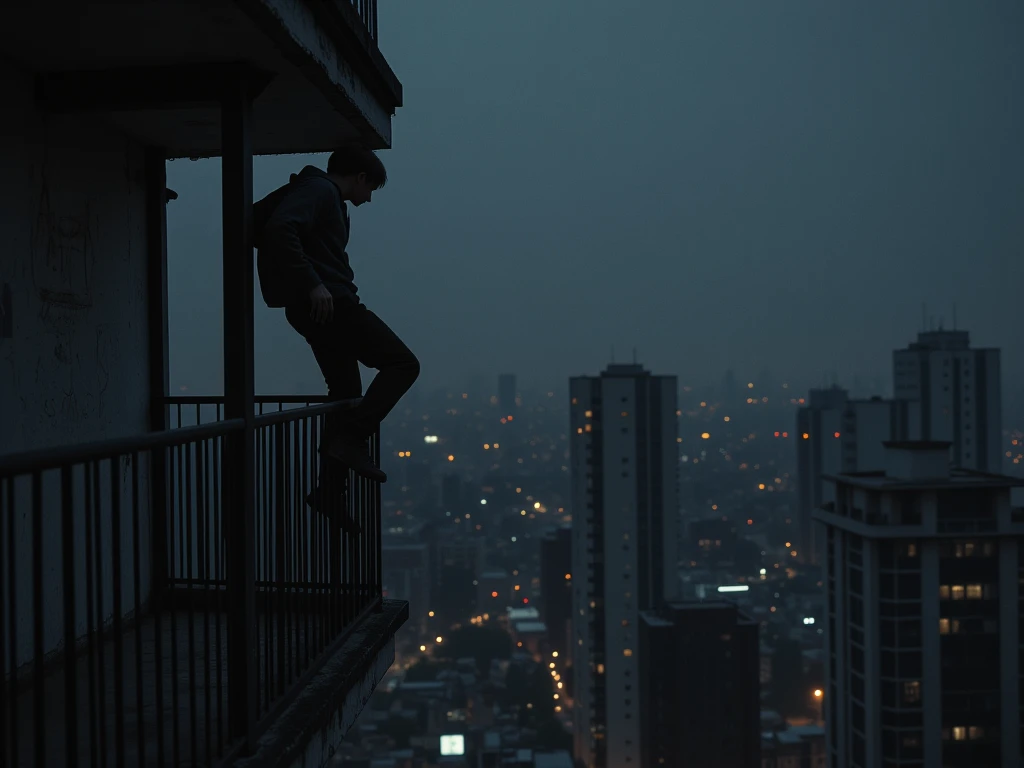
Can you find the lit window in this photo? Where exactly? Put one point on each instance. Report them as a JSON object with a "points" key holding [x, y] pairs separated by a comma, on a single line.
{"points": [[959, 733], [943, 626], [912, 692], [975, 732], [944, 592], [958, 591], [911, 550], [974, 591], [627, 652]]}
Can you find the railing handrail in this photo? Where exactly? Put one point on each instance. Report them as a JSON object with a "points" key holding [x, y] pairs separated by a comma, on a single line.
{"points": [[258, 399], [45, 459], [293, 414]]}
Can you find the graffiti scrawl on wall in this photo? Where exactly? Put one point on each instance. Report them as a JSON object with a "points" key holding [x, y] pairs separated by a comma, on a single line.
{"points": [[62, 253]]}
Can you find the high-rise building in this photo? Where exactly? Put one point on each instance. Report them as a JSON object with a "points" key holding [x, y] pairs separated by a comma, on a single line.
{"points": [[459, 566], [836, 434], [406, 571], [954, 394], [624, 464], [923, 566], [507, 393], [699, 687], [556, 588]]}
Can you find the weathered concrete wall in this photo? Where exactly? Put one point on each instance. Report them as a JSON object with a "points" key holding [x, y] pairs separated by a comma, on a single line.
{"points": [[73, 223], [72, 208], [299, 22]]}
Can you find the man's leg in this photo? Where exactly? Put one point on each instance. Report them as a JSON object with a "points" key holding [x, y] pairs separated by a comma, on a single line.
{"points": [[341, 374], [375, 346]]}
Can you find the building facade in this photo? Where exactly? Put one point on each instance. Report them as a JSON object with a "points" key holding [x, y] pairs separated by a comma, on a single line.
{"points": [[834, 435], [556, 587], [624, 466], [922, 636], [699, 687], [954, 394]]}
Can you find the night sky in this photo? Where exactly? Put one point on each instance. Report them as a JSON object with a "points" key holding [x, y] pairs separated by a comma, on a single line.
{"points": [[756, 184]]}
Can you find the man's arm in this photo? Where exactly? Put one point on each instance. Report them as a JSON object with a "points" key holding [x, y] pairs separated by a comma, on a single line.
{"points": [[294, 218]]}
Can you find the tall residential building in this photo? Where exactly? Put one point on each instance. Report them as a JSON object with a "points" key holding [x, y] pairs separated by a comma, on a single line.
{"points": [[625, 458], [699, 687], [836, 434], [923, 641], [507, 393], [954, 394], [406, 571], [458, 570], [556, 588]]}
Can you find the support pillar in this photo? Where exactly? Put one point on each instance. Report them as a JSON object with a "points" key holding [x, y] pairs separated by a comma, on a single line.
{"points": [[155, 171], [239, 455]]}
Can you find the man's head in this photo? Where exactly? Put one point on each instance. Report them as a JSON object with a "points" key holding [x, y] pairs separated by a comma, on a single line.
{"points": [[357, 171]]}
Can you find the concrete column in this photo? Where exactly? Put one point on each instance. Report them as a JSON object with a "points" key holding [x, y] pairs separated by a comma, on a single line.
{"points": [[239, 451]]}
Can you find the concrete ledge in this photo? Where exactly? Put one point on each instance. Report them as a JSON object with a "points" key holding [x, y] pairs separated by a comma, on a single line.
{"points": [[309, 731]]}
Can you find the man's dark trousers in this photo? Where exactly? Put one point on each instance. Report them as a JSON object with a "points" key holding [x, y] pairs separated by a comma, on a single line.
{"points": [[356, 335]]}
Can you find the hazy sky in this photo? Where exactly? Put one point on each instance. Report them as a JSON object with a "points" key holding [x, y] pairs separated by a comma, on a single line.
{"points": [[748, 183]]}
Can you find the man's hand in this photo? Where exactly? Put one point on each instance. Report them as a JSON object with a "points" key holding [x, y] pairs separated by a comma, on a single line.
{"points": [[322, 305]]}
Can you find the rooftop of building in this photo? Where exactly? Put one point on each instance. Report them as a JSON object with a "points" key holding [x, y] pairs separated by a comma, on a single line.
{"points": [[663, 617], [523, 614], [957, 478], [530, 627], [552, 760], [918, 465]]}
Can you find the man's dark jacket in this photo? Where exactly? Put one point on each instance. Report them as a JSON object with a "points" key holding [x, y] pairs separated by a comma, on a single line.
{"points": [[301, 232]]}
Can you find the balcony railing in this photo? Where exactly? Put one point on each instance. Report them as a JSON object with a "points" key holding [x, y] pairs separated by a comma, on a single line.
{"points": [[367, 10], [121, 626]]}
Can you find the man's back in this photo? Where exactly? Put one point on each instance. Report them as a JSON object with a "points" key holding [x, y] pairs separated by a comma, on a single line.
{"points": [[302, 244]]}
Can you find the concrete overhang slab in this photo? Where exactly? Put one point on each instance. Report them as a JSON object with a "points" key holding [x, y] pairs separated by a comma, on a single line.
{"points": [[325, 80]]}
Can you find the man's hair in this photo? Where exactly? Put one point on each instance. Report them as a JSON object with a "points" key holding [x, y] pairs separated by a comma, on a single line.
{"points": [[352, 159]]}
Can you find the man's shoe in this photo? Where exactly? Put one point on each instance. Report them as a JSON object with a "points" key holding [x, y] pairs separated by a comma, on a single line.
{"points": [[334, 509], [354, 453]]}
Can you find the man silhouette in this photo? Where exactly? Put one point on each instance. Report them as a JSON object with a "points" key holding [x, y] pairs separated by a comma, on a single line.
{"points": [[302, 236]]}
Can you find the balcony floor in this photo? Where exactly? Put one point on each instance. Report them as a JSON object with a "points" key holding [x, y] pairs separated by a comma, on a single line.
{"points": [[190, 728]]}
